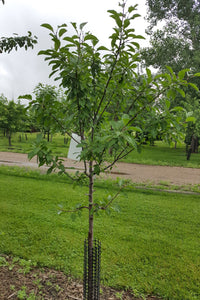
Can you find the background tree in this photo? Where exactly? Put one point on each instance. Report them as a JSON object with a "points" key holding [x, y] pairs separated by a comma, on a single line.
{"points": [[45, 108], [3, 103], [176, 43], [12, 117], [100, 84]]}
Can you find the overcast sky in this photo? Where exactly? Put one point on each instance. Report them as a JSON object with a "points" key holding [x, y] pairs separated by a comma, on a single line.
{"points": [[21, 71]]}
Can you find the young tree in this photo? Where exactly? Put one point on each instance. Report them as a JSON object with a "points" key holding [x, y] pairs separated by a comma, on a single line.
{"points": [[45, 107], [12, 117], [105, 98]]}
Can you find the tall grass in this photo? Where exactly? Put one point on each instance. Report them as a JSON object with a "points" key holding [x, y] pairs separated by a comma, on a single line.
{"points": [[151, 246]]}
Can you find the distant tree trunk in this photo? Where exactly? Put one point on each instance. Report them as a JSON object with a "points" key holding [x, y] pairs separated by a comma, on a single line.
{"points": [[196, 144], [9, 140], [193, 147], [48, 136]]}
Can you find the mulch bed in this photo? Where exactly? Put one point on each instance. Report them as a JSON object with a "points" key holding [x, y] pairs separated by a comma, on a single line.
{"points": [[43, 283]]}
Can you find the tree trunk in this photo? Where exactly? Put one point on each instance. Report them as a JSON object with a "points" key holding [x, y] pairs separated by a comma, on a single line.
{"points": [[9, 139], [48, 136], [90, 234]]}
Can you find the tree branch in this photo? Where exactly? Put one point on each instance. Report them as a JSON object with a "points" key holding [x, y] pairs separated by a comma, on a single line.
{"points": [[120, 156], [113, 198]]}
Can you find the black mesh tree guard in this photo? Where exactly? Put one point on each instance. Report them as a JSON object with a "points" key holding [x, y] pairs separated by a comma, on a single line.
{"points": [[91, 280]]}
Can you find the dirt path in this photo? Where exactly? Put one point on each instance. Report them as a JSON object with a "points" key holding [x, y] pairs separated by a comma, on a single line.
{"points": [[137, 173]]}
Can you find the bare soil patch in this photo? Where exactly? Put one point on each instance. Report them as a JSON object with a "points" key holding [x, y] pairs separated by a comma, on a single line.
{"points": [[47, 284]]}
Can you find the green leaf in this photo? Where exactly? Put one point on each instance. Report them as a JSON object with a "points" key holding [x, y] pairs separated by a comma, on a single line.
{"points": [[97, 169], [177, 109], [116, 17], [126, 23], [134, 36], [48, 26], [149, 75], [56, 44], [82, 25], [43, 52], [191, 119], [171, 71], [113, 37], [92, 38], [181, 74], [27, 97], [69, 39], [171, 94], [135, 129], [181, 92], [62, 31], [132, 8], [194, 86], [102, 48], [167, 103], [197, 74], [131, 141], [74, 25], [135, 16]]}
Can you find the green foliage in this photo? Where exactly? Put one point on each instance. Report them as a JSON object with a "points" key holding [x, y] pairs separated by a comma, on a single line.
{"points": [[7, 44], [176, 43], [44, 108], [12, 117]]}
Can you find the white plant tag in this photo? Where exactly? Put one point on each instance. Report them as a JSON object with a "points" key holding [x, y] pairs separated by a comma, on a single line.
{"points": [[74, 151]]}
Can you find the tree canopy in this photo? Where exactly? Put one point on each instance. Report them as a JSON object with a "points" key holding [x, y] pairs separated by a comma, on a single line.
{"points": [[12, 117], [178, 42], [174, 30]]}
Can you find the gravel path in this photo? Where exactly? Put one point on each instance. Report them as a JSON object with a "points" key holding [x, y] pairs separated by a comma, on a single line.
{"points": [[136, 172]]}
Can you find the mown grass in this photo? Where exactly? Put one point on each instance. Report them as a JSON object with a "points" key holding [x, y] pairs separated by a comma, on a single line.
{"points": [[24, 143], [159, 154], [151, 246], [164, 155]]}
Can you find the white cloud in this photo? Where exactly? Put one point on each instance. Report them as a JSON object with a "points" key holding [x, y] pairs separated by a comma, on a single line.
{"points": [[22, 70]]}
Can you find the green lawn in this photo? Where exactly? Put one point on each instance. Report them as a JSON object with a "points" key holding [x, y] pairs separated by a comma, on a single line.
{"points": [[160, 154], [23, 143], [151, 246], [164, 155]]}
